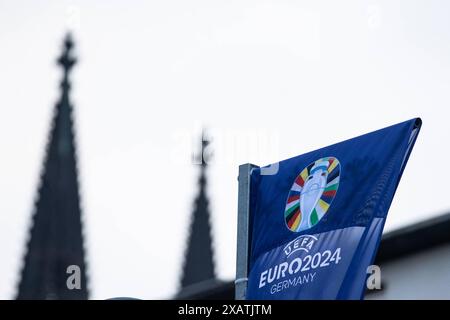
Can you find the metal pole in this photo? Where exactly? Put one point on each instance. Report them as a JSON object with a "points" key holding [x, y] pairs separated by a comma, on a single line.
{"points": [[243, 240]]}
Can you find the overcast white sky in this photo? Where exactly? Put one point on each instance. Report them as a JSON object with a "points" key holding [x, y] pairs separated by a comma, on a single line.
{"points": [[270, 79]]}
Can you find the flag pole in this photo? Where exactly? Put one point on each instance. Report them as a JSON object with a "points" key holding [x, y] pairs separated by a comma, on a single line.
{"points": [[243, 230]]}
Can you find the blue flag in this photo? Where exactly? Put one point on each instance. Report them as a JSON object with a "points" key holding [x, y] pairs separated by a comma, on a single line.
{"points": [[315, 225]]}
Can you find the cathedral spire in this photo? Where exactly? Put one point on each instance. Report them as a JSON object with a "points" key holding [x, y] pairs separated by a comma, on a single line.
{"points": [[56, 238], [198, 265]]}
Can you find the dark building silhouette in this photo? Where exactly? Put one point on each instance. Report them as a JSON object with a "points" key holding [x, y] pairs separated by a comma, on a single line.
{"points": [[198, 268], [56, 238]]}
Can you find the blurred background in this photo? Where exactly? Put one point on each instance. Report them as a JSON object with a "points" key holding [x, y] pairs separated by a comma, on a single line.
{"points": [[260, 80]]}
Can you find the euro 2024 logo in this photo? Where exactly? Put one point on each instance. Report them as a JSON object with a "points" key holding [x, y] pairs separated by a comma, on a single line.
{"points": [[312, 193]]}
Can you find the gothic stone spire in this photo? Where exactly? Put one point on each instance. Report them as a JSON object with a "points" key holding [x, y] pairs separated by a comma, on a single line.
{"points": [[199, 260], [56, 238]]}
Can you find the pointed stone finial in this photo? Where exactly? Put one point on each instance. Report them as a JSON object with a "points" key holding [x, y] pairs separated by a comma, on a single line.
{"points": [[67, 60]]}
